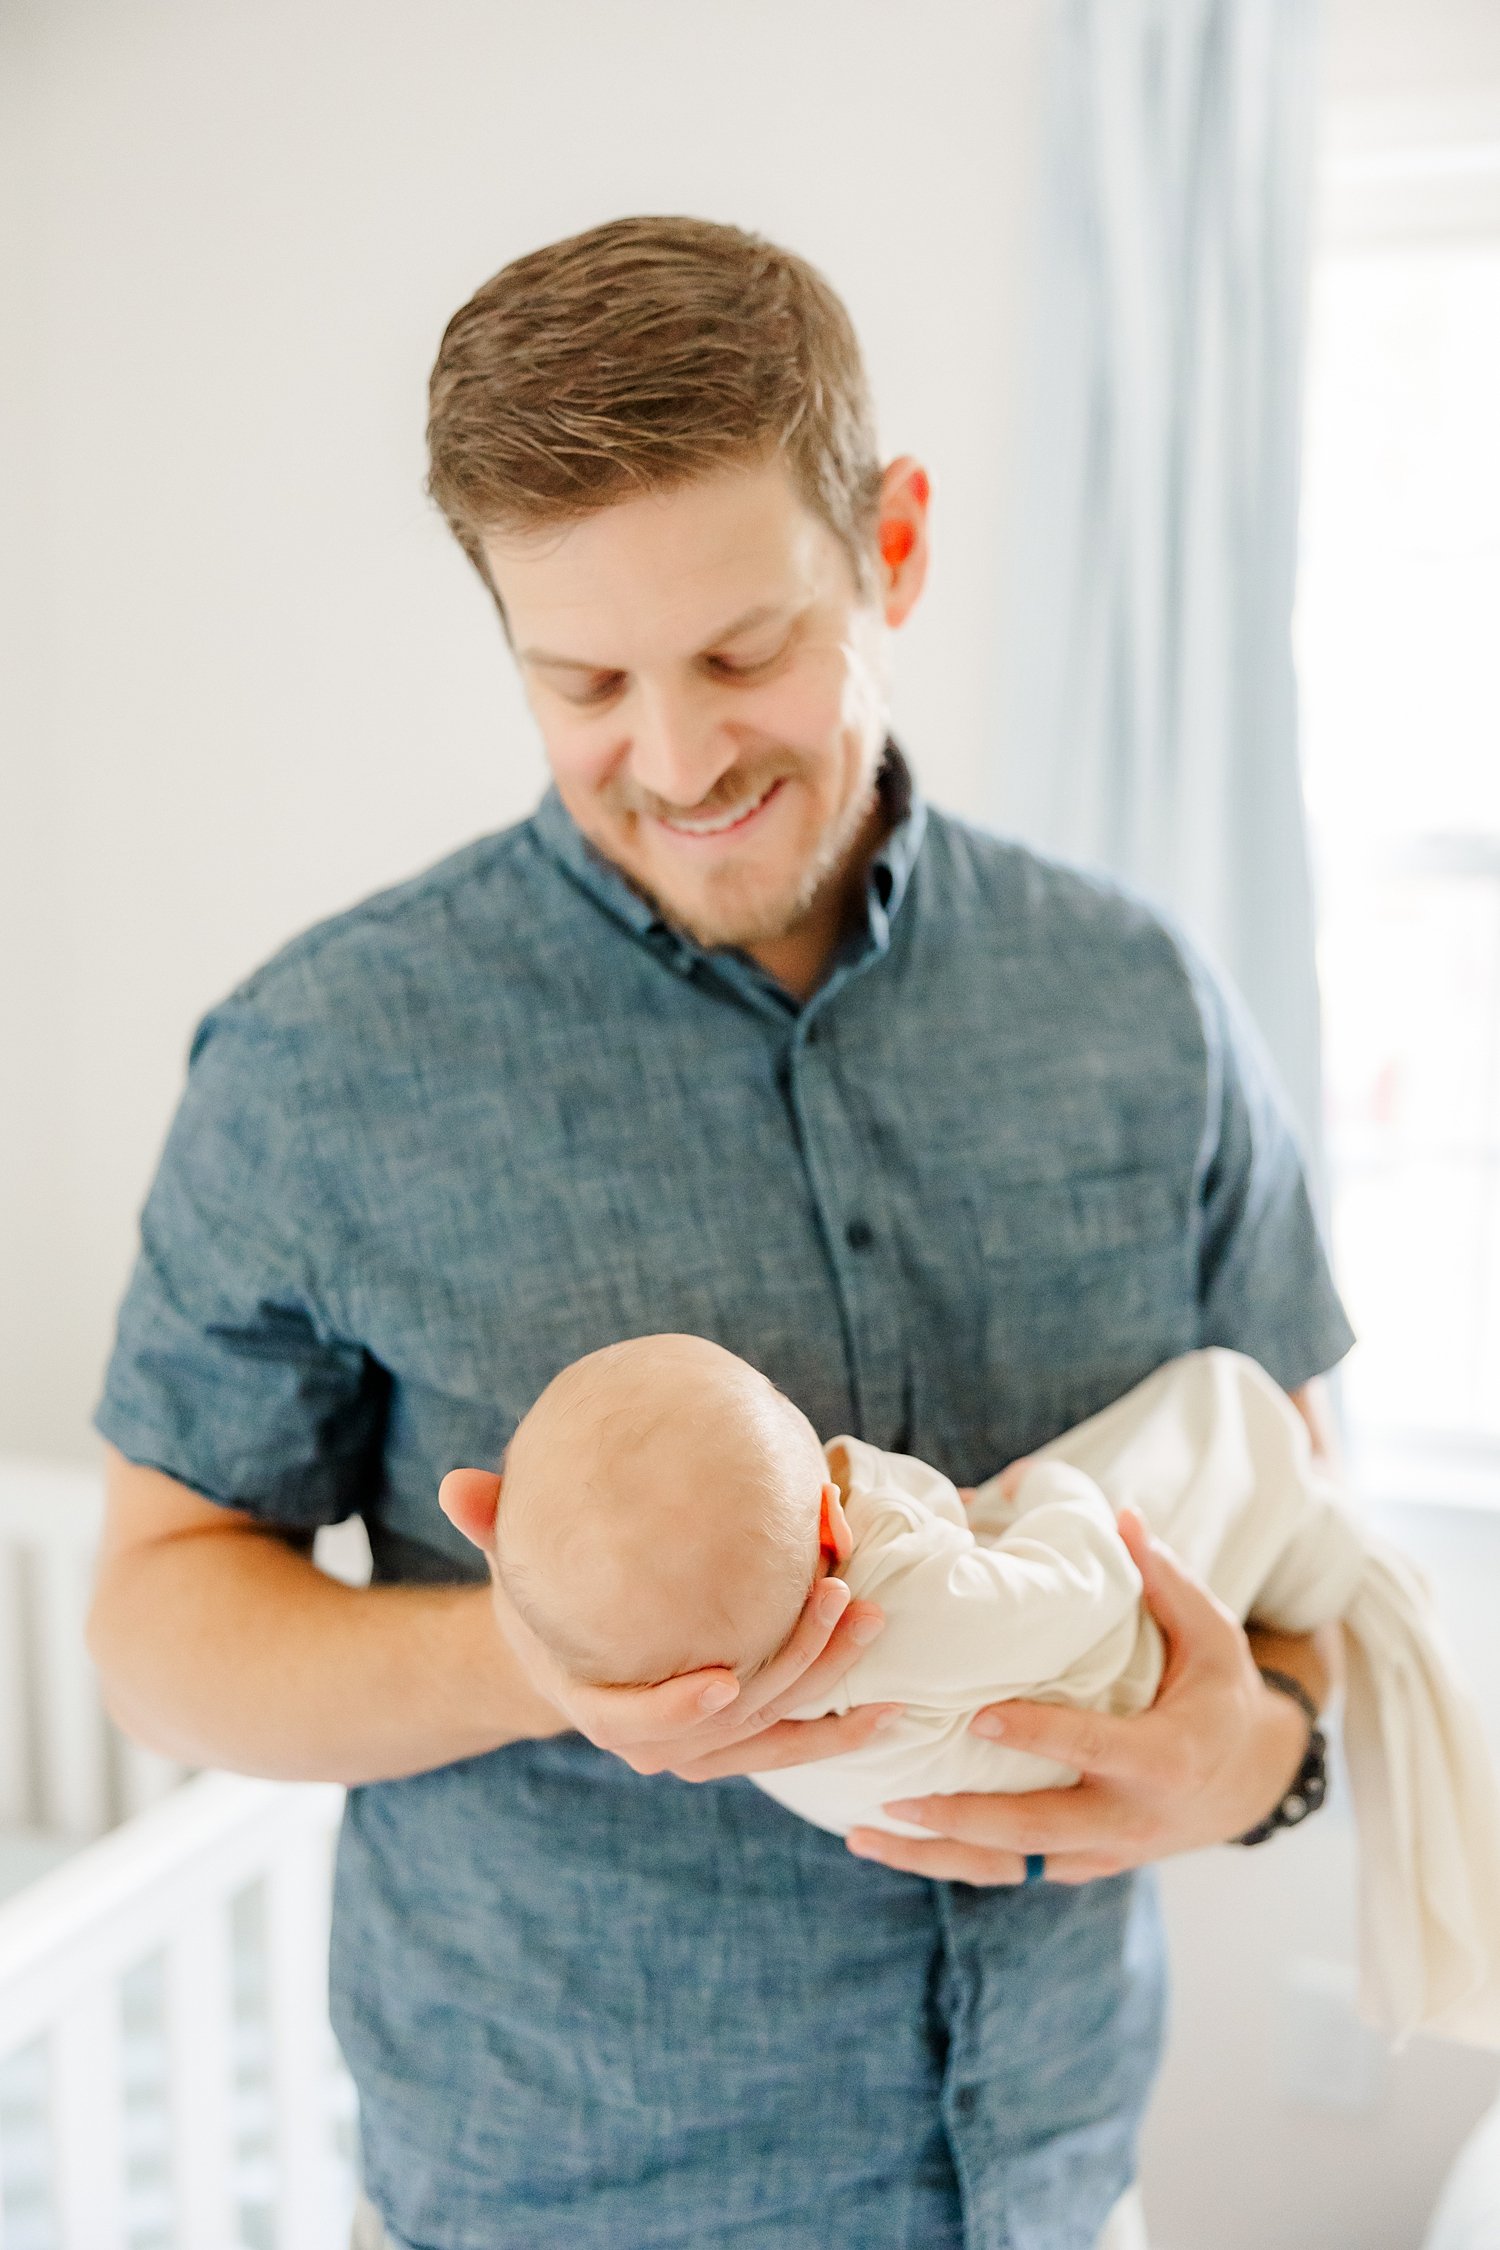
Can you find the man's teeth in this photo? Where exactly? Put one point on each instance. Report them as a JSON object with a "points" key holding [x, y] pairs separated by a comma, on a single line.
{"points": [[725, 820]]}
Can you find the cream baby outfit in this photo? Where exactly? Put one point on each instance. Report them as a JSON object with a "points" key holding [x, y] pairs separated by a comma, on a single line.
{"points": [[1037, 1598]]}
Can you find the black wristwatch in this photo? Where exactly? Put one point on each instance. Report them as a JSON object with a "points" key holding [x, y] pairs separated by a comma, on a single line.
{"points": [[1310, 1782]]}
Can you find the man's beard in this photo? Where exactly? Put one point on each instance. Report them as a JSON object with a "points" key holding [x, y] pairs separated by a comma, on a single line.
{"points": [[767, 920]]}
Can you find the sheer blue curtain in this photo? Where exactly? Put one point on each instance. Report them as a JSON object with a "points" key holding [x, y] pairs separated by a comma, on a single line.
{"points": [[1150, 721]]}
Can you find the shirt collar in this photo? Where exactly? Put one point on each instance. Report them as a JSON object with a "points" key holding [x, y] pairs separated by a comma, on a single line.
{"points": [[890, 869], [886, 882]]}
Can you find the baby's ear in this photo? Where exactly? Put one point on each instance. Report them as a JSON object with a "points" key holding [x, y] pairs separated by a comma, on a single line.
{"points": [[469, 1499], [834, 1536]]}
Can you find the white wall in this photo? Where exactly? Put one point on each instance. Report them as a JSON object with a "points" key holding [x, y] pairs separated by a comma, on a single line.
{"points": [[246, 675], [1396, 61]]}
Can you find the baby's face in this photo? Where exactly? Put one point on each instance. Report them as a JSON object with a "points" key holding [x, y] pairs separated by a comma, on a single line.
{"points": [[662, 1508]]}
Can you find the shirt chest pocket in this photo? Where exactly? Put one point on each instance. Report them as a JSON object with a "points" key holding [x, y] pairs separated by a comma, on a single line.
{"points": [[1089, 1284]]}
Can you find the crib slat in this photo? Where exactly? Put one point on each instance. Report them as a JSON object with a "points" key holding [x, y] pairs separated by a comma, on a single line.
{"points": [[145, 1776], [297, 1901], [199, 2064], [75, 1772], [17, 1809], [88, 2121], [163, 1885]]}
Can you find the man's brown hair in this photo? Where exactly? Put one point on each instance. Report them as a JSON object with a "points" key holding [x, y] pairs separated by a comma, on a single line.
{"points": [[638, 356]]}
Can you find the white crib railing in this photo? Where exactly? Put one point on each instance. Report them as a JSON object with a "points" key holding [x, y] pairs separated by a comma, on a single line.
{"points": [[167, 2075], [65, 1770], [166, 2068]]}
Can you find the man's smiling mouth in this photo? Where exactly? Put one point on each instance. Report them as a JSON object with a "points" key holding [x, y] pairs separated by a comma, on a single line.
{"points": [[738, 816]]}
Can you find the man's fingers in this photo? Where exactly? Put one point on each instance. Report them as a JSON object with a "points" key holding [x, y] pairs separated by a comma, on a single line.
{"points": [[941, 1860], [859, 1625], [691, 1710], [626, 1718], [707, 1711], [827, 1639], [1087, 1819], [947, 1862], [1181, 1604], [796, 1667], [1091, 1742], [790, 1742]]}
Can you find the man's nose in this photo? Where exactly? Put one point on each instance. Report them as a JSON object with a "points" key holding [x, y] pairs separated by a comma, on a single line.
{"points": [[678, 749]]}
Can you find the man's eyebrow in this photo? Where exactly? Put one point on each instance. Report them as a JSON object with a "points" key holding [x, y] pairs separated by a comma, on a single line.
{"points": [[761, 613]]}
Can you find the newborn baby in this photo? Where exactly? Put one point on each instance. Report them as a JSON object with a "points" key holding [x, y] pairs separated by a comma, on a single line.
{"points": [[664, 1507]]}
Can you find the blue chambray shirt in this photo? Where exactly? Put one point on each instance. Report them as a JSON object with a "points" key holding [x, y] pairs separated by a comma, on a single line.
{"points": [[1019, 1148]]}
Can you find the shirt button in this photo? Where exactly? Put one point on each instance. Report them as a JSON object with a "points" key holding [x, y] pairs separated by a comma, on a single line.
{"points": [[966, 2101], [859, 1234]]}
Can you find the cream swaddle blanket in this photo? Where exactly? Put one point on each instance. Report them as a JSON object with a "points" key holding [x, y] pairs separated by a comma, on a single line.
{"points": [[1037, 1598]]}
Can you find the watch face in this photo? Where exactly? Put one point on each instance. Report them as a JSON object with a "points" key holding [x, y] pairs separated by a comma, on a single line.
{"points": [[1310, 1787], [1307, 1792]]}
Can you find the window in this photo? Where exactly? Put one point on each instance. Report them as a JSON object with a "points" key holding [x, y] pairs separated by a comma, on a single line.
{"points": [[1398, 638]]}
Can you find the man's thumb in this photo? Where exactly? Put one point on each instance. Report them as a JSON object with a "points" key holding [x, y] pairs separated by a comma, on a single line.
{"points": [[1162, 1576], [1176, 1599]]}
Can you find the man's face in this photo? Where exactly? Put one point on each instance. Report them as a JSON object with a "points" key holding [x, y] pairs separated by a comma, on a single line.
{"points": [[709, 686]]}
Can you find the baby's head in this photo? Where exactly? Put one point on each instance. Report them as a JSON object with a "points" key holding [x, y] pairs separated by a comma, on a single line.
{"points": [[662, 1507]]}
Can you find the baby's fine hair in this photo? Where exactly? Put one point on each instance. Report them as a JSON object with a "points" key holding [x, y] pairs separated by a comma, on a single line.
{"points": [[633, 1423]]}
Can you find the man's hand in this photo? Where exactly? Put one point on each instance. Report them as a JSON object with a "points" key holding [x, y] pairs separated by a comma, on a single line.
{"points": [[702, 1725], [1214, 1753]]}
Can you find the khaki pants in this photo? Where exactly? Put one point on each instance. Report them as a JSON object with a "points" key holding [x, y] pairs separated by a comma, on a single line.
{"points": [[367, 2232], [1126, 2228]]}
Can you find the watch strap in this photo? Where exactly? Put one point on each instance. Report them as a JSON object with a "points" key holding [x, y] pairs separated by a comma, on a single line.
{"points": [[1292, 1687], [1309, 1784]]}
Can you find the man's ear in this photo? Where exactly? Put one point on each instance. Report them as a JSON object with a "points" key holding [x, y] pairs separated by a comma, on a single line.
{"points": [[469, 1499], [834, 1536], [901, 537]]}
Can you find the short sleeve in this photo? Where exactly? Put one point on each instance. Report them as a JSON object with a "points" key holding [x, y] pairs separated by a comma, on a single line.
{"points": [[226, 1371], [1264, 1283]]}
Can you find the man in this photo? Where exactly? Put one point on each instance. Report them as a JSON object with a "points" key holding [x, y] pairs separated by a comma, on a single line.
{"points": [[732, 1037]]}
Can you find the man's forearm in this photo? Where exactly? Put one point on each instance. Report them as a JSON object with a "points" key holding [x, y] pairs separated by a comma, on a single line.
{"points": [[256, 1661]]}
